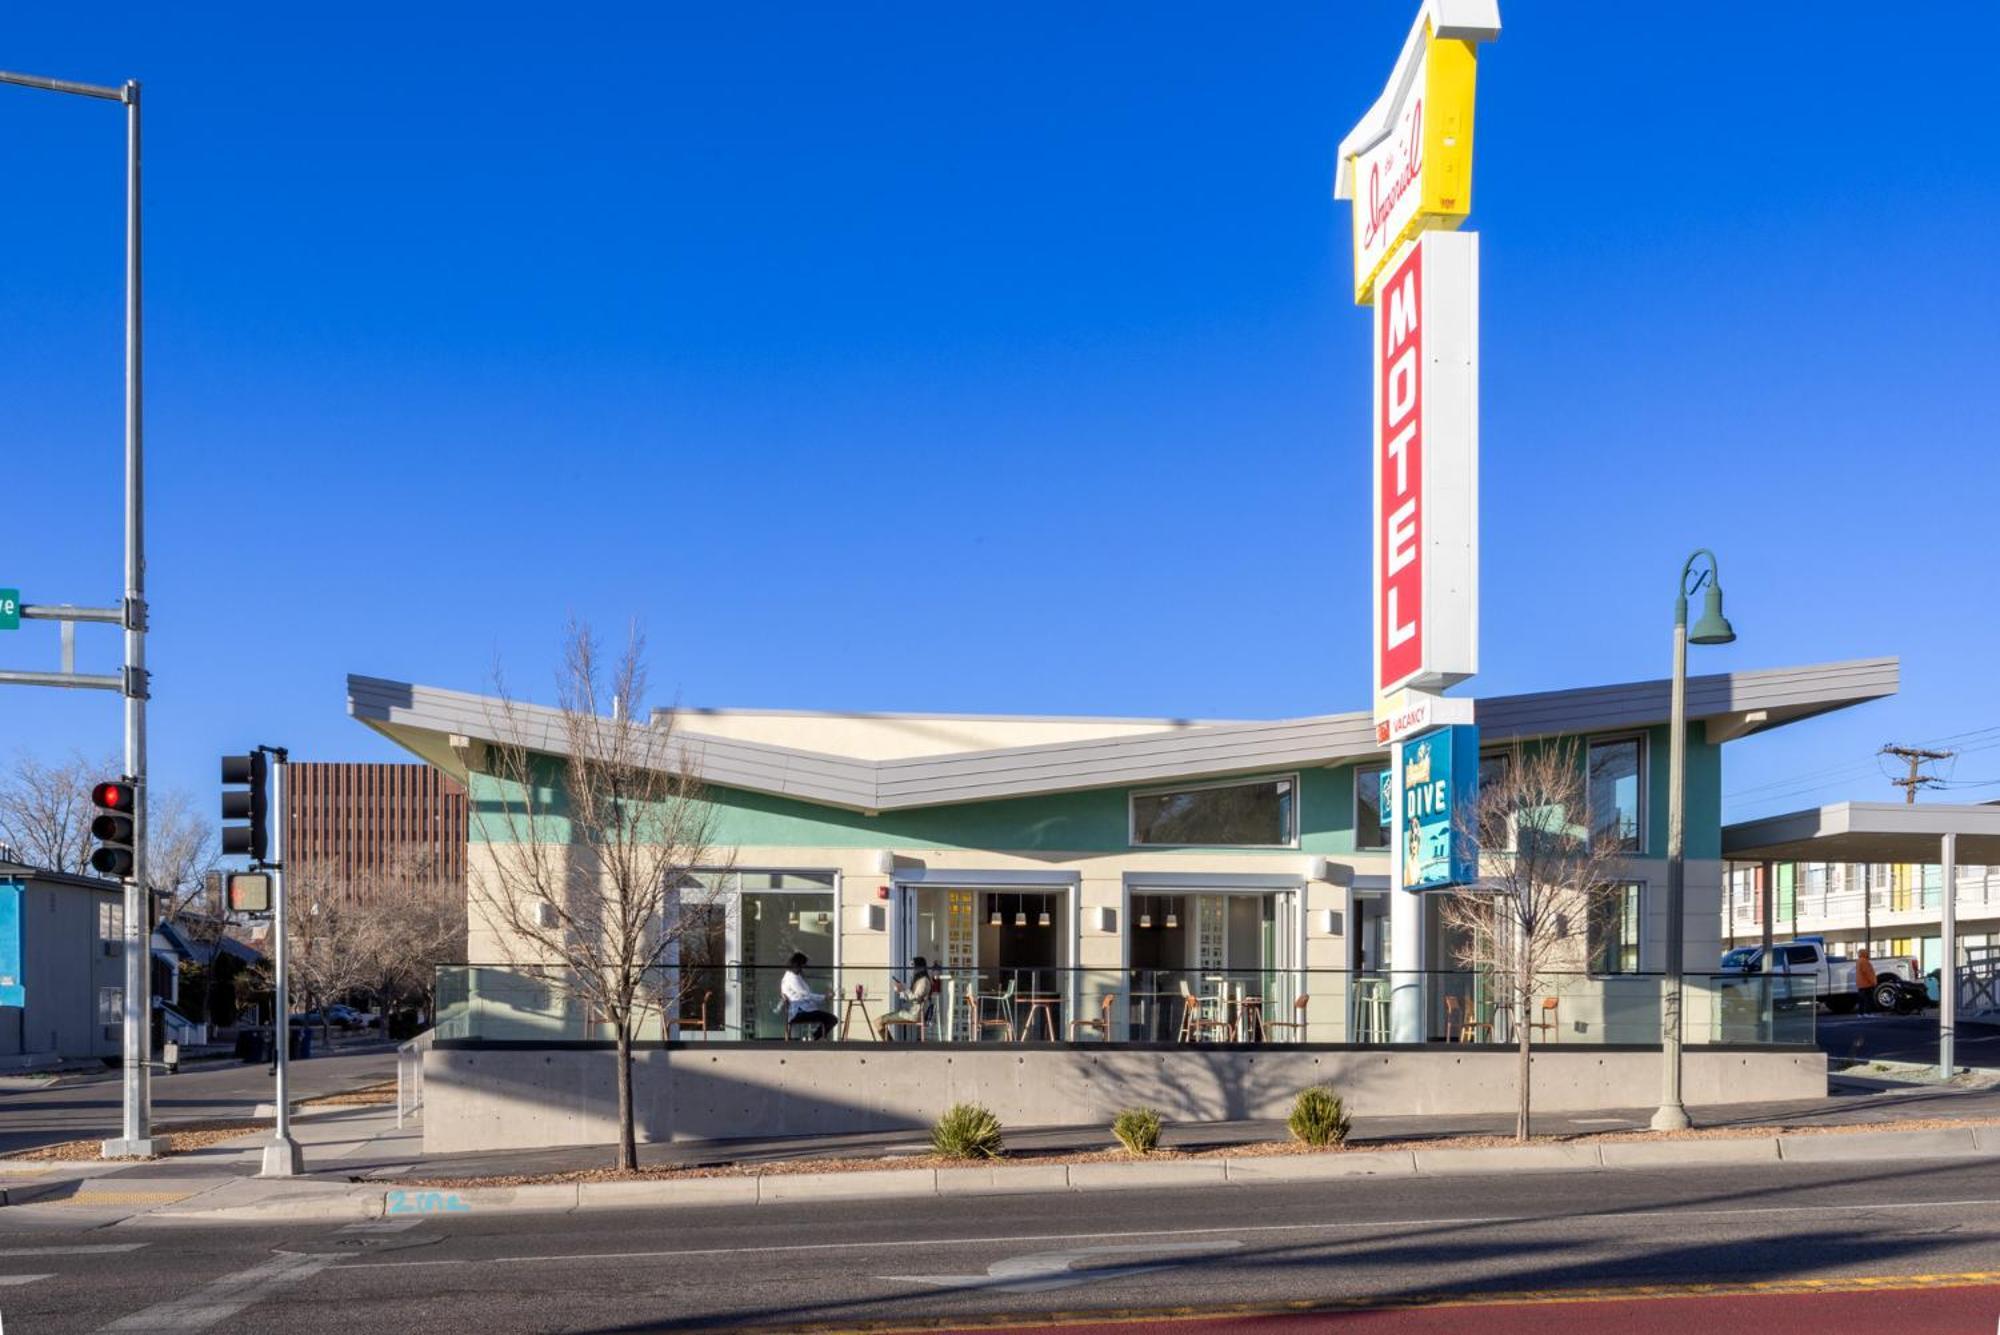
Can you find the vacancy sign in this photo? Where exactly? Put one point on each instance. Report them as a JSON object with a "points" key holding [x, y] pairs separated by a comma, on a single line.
{"points": [[1407, 165], [1426, 496]]}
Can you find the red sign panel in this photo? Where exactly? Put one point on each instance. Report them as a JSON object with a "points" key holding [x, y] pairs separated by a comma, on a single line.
{"points": [[1399, 471]]}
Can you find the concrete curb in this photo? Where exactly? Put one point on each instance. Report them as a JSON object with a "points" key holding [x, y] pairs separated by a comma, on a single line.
{"points": [[258, 1200]]}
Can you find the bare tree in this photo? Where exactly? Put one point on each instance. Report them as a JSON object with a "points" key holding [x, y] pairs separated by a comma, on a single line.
{"points": [[45, 816], [181, 851], [326, 951], [45, 810], [1542, 885], [413, 922], [598, 828]]}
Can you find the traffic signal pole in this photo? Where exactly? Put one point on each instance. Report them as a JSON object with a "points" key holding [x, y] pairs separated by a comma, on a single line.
{"points": [[138, 1100], [281, 1156], [137, 1138]]}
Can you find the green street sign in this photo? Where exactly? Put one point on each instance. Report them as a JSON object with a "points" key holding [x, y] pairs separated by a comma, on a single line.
{"points": [[10, 609]]}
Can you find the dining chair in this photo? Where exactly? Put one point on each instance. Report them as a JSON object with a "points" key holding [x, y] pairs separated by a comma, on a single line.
{"points": [[1102, 1024], [1550, 1021], [1197, 1021], [1452, 1007], [1003, 1005], [698, 1022], [1296, 1024]]}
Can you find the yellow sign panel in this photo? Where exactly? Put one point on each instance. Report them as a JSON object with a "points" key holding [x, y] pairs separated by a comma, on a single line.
{"points": [[1408, 165]]}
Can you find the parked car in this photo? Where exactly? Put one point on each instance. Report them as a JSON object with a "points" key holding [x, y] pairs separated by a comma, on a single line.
{"points": [[339, 1016]]}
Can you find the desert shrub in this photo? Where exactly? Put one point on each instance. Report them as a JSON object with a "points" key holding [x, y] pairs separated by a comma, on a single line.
{"points": [[1318, 1117], [967, 1131], [1138, 1130]]}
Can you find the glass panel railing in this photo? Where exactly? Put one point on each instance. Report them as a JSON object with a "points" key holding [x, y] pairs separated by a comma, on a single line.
{"points": [[732, 1002]]}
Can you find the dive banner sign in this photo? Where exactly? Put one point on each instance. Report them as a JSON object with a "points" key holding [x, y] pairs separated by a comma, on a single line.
{"points": [[1426, 495], [1440, 788]]}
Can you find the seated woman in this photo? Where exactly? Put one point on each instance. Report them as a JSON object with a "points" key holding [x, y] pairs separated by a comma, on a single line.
{"points": [[916, 998], [804, 1006]]}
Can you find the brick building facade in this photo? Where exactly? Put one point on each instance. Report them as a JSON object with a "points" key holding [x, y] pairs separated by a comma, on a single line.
{"points": [[351, 827]]}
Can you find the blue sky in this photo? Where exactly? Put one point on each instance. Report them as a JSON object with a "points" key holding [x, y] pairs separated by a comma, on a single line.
{"points": [[986, 358]]}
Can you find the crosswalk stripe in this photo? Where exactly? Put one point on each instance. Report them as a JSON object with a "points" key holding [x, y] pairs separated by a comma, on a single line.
{"points": [[15, 1280], [216, 1303]]}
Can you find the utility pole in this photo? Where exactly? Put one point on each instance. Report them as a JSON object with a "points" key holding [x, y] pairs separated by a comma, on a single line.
{"points": [[1915, 757]]}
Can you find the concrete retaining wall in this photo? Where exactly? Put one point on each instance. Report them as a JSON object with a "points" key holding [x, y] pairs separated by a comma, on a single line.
{"points": [[483, 1099]]}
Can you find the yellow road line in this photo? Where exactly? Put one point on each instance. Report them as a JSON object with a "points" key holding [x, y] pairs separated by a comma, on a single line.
{"points": [[1771, 1288]]}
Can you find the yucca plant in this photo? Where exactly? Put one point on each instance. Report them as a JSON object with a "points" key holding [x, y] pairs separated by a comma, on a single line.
{"points": [[967, 1131], [1138, 1130], [1319, 1118]]}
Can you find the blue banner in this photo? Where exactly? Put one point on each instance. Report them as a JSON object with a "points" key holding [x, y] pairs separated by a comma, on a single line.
{"points": [[1440, 788], [12, 992]]}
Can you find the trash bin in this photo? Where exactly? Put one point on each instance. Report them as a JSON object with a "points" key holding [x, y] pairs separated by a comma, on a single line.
{"points": [[253, 1045], [170, 1056], [302, 1042]]}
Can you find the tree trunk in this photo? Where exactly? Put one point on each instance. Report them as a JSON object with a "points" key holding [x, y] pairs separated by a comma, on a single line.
{"points": [[1525, 1062], [628, 1148]]}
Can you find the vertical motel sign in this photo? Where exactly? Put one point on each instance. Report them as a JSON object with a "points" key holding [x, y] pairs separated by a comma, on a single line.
{"points": [[1407, 168]]}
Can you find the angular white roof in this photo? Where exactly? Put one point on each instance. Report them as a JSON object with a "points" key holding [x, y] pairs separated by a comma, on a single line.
{"points": [[437, 724]]}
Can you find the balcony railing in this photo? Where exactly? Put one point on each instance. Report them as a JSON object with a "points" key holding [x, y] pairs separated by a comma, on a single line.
{"points": [[741, 1003]]}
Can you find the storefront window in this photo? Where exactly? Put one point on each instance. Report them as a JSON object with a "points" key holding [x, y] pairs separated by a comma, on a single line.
{"points": [[1615, 791], [1258, 814]]}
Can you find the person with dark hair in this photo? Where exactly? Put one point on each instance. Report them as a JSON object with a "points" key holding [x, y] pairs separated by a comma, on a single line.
{"points": [[915, 997], [802, 1005]]}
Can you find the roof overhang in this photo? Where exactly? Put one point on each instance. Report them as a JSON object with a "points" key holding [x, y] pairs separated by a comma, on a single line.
{"points": [[448, 728], [1868, 832]]}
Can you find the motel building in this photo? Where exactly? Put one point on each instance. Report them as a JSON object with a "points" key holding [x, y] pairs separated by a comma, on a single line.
{"points": [[1191, 915]]}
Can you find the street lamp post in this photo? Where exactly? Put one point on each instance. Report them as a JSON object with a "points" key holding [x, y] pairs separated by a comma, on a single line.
{"points": [[1712, 628], [131, 683]]}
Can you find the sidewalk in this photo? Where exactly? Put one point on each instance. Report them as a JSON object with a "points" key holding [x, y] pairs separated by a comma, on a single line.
{"points": [[355, 1155]]}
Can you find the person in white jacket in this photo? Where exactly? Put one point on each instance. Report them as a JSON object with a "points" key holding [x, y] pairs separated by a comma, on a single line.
{"points": [[802, 1004]]}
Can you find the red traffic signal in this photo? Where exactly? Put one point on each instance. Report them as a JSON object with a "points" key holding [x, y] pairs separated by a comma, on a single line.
{"points": [[112, 796], [112, 828]]}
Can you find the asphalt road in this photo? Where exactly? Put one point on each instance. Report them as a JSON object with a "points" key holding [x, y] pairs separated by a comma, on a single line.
{"points": [[1905, 1038], [72, 1112], [1918, 1241]]}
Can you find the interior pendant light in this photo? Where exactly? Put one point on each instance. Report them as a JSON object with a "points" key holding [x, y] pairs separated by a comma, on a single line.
{"points": [[1020, 912], [993, 903], [1043, 920], [1145, 913], [1173, 919]]}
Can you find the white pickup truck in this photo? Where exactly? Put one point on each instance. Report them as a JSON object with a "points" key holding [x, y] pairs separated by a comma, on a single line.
{"points": [[1810, 972]]}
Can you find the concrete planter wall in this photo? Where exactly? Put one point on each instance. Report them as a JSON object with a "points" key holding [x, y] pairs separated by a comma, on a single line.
{"points": [[488, 1098]]}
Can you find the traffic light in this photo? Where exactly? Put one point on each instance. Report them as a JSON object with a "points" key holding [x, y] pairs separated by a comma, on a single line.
{"points": [[249, 892], [111, 827], [245, 805]]}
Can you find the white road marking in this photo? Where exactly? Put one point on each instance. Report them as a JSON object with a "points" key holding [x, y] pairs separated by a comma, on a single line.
{"points": [[94, 1250], [380, 1226], [1054, 1270], [227, 1296], [1337, 1225], [11, 1280]]}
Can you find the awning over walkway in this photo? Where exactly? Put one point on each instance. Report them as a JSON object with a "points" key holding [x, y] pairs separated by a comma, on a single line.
{"points": [[1868, 832]]}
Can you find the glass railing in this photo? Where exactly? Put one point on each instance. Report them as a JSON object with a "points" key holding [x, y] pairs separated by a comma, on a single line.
{"points": [[853, 1003]]}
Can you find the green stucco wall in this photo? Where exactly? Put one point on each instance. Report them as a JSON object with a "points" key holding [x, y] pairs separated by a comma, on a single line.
{"points": [[1095, 821]]}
